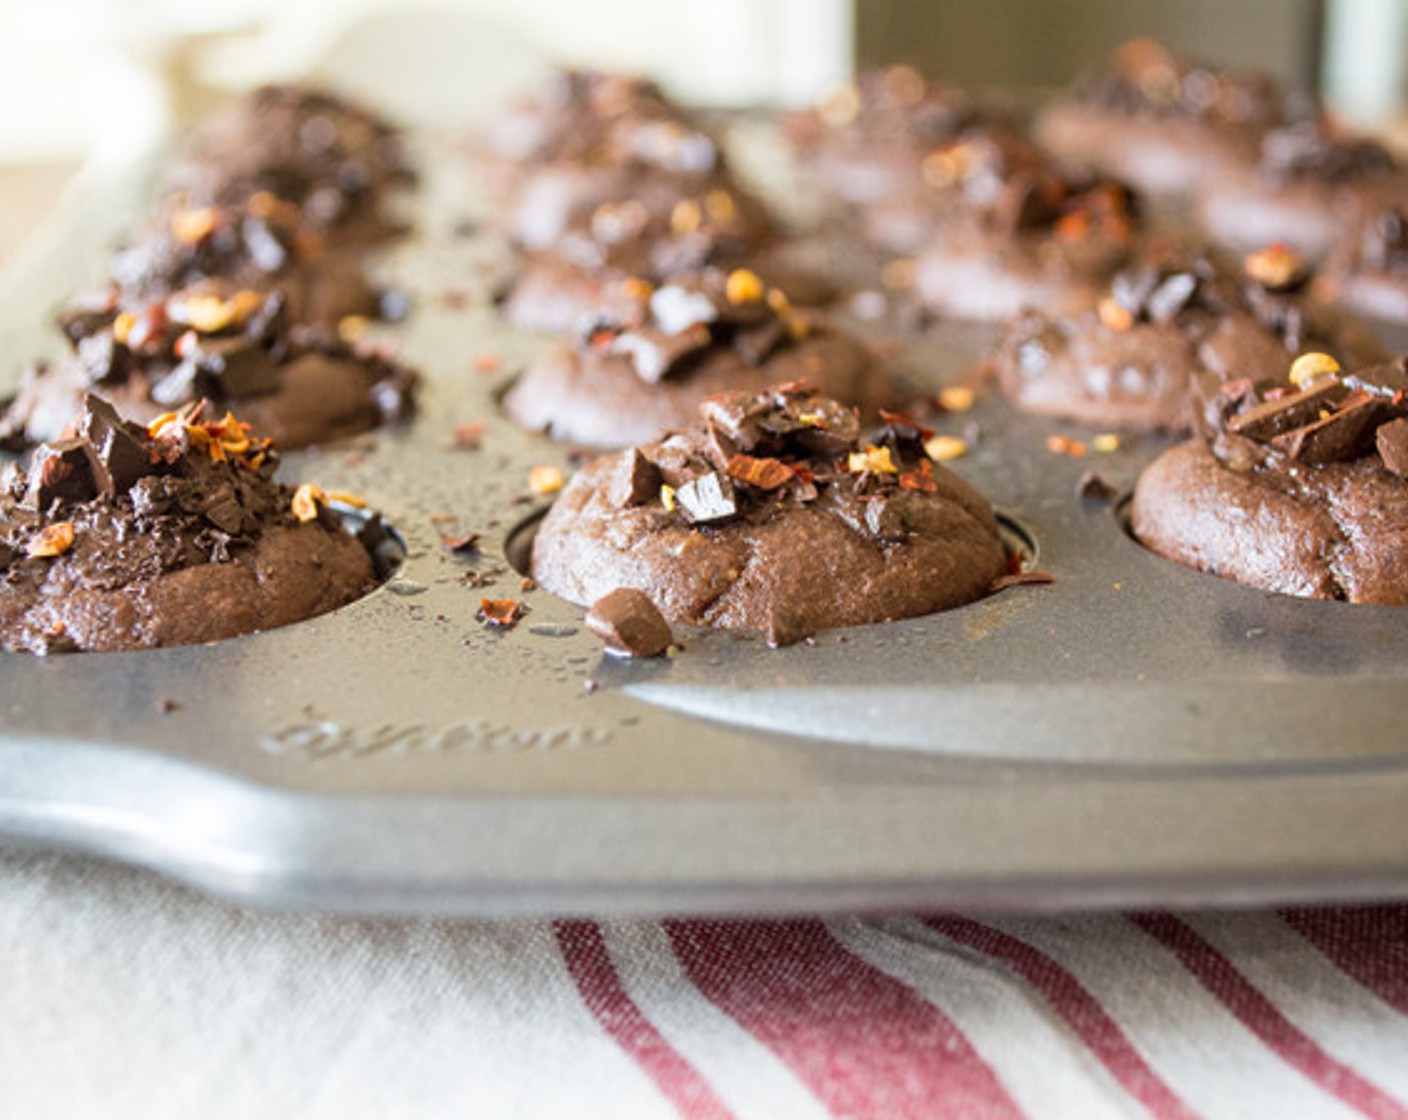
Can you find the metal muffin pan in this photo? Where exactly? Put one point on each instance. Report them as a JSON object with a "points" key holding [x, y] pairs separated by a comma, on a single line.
{"points": [[1132, 733]]}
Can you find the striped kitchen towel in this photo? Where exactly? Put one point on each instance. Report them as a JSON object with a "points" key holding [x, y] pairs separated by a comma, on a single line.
{"points": [[121, 995]]}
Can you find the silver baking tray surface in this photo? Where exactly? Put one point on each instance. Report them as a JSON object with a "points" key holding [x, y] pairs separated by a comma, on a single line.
{"points": [[1129, 734]]}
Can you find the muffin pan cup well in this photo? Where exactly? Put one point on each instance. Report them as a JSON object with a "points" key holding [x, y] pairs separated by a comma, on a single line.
{"points": [[1132, 733]]}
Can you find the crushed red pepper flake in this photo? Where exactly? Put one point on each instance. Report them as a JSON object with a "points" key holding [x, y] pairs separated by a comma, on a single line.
{"points": [[52, 540], [306, 500], [486, 363], [467, 436], [503, 613], [765, 474], [528, 583], [463, 542], [905, 420], [172, 432], [921, 479], [1065, 445]]}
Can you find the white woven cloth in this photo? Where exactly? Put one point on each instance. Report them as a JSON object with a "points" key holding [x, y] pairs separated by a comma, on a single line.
{"points": [[125, 996]]}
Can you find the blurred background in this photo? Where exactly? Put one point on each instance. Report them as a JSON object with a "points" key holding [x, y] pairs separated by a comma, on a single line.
{"points": [[88, 78]]}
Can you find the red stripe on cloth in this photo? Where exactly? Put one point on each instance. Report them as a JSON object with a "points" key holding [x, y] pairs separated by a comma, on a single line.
{"points": [[589, 962], [1080, 1011], [1368, 943], [862, 1042], [1259, 1015]]}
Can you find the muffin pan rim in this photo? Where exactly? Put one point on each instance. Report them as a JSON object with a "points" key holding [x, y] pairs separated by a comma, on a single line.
{"points": [[437, 811]]}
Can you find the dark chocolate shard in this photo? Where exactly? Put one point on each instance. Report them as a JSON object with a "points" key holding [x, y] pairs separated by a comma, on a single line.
{"points": [[720, 448], [677, 309], [1171, 296], [634, 482], [223, 510], [1392, 442], [1132, 288], [85, 316], [265, 249], [118, 447], [1389, 379], [656, 354], [706, 499], [1272, 418], [630, 624], [1094, 487], [60, 472], [828, 427], [757, 343], [733, 417], [674, 458], [102, 360], [1347, 433], [233, 367]]}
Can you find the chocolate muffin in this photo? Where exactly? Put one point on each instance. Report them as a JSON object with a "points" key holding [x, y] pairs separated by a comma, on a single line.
{"points": [[334, 160], [1160, 121], [966, 175], [1299, 488], [774, 515], [299, 385], [866, 142], [1177, 316], [1049, 242], [639, 370], [124, 537], [1368, 272], [263, 243], [647, 237], [1313, 187], [569, 116]]}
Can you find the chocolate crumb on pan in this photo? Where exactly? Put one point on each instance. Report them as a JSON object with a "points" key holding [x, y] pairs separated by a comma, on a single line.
{"points": [[630, 624]]}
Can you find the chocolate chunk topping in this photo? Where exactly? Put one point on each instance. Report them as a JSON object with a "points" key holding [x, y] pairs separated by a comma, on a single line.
{"points": [[1309, 149], [1171, 296], [1389, 379], [102, 360], [706, 499], [223, 510], [677, 308], [1094, 487], [635, 482], [630, 624], [1336, 418], [656, 354], [119, 447], [1392, 441], [60, 472], [1274, 417], [86, 316], [687, 317], [1346, 433], [224, 367]]}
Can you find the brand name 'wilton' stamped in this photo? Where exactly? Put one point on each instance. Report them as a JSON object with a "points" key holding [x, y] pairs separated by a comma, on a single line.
{"points": [[324, 740]]}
